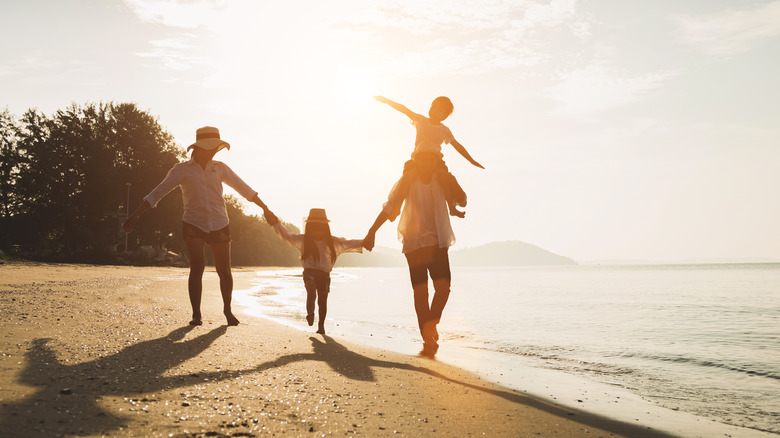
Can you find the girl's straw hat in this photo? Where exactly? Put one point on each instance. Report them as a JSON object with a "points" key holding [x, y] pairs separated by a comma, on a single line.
{"points": [[207, 138], [318, 216]]}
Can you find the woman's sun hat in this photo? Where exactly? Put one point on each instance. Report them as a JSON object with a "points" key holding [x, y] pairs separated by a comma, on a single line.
{"points": [[207, 138], [317, 216]]}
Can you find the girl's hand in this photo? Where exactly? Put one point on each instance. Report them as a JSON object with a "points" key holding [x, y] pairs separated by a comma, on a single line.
{"points": [[382, 99], [477, 164]]}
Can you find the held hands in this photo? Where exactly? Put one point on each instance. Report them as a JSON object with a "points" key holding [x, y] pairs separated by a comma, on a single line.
{"points": [[270, 217], [129, 224], [368, 241]]}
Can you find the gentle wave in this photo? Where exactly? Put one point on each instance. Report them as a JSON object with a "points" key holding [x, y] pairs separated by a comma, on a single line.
{"points": [[708, 364]]}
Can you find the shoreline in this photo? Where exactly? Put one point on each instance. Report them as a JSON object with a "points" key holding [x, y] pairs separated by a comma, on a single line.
{"points": [[511, 371], [105, 350]]}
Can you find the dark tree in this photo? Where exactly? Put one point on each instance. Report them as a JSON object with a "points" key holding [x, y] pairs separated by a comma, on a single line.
{"points": [[11, 162], [65, 181], [254, 243], [78, 164]]}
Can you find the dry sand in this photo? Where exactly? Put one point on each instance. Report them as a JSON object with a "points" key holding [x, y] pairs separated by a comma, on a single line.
{"points": [[106, 351]]}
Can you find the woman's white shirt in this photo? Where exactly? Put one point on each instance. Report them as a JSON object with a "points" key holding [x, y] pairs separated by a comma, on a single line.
{"points": [[201, 192]]}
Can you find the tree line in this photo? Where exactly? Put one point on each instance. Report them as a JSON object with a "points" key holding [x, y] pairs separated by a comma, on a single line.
{"points": [[66, 181]]}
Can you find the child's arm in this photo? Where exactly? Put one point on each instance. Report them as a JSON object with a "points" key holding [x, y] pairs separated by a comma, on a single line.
{"points": [[342, 245], [396, 106], [292, 240], [461, 150]]}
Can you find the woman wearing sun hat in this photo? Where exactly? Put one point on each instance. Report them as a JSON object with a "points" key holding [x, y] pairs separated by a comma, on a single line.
{"points": [[205, 218]]}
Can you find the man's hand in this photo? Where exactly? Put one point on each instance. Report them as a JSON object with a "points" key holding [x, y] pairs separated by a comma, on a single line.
{"points": [[368, 241]]}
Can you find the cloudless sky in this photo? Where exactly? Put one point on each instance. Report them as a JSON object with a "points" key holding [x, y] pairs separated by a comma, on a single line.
{"points": [[608, 129]]}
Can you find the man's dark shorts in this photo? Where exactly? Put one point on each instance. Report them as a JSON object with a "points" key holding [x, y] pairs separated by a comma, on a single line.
{"points": [[218, 236]]}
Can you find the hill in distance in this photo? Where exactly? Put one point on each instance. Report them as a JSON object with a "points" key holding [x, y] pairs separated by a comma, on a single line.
{"points": [[510, 253]]}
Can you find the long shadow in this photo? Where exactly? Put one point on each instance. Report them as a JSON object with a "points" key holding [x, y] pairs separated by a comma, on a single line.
{"points": [[358, 367], [60, 406]]}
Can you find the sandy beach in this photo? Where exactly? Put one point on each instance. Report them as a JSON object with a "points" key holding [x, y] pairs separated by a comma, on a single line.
{"points": [[106, 351]]}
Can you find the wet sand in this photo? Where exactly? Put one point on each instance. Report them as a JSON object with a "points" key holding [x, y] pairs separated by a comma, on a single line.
{"points": [[106, 351]]}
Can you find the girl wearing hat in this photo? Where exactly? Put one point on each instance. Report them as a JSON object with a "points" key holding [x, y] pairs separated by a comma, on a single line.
{"points": [[205, 218], [319, 250]]}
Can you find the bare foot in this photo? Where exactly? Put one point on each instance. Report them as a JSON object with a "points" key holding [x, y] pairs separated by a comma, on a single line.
{"points": [[231, 320], [429, 332], [321, 330], [196, 319], [429, 349], [455, 212], [310, 319]]}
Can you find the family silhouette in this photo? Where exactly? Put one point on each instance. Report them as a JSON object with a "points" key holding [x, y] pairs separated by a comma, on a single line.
{"points": [[425, 196]]}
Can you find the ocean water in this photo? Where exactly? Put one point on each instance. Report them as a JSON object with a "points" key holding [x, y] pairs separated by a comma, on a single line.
{"points": [[696, 339]]}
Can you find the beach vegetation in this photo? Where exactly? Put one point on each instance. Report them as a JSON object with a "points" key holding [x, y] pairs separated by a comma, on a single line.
{"points": [[67, 179]]}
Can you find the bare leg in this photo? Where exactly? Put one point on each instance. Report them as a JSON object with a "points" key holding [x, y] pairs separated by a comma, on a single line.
{"points": [[221, 251], [442, 279], [322, 304], [195, 280], [423, 310], [440, 297], [311, 296]]}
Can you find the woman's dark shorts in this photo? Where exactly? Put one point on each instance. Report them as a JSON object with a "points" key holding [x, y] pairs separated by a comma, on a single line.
{"points": [[218, 236]]}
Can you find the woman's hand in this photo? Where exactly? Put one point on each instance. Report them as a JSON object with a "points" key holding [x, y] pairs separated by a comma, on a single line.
{"points": [[270, 217], [129, 224]]}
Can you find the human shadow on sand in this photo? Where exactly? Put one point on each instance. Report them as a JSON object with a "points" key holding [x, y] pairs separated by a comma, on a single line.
{"points": [[358, 367], [66, 396], [66, 401]]}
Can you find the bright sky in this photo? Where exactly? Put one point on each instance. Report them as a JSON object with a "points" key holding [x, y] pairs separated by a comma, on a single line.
{"points": [[608, 129]]}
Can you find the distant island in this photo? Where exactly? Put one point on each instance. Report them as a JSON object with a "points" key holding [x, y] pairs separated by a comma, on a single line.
{"points": [[510, 253]]}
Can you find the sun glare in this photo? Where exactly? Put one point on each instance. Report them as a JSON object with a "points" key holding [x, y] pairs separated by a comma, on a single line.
{"points": [[356, 90]]}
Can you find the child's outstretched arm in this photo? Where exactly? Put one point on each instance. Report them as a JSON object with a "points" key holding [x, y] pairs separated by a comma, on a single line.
{"points": [[293, 240], [461, 150], [396, 106]]}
